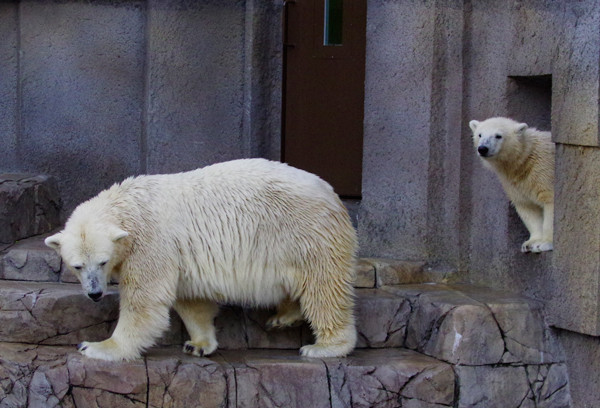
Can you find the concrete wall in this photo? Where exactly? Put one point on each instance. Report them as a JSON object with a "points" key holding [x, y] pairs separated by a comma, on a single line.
{"points": [[432, 66], [412, 120], [92, 92]]}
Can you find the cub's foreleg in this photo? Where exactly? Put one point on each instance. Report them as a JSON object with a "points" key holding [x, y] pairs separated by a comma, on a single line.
{"points": [[533, 217]]}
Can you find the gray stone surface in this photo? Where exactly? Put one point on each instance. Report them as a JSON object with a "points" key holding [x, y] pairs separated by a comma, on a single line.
{"points": [[381, 319], [9, 68], [583, 361], [60, 314], [458, 324], [239, 328], [54, 376], [195, 78], [95, 92], [82, 67], [513, 387], [467, 325], [53, 313], [575, 90], [396, 129], [390, 378], [30, 260], [576, 306], [30, 206]]}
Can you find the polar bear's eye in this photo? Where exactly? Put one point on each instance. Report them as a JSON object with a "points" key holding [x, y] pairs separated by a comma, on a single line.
{"points": [[480, 135], [103, 263], [498, 136], [77, 267]]}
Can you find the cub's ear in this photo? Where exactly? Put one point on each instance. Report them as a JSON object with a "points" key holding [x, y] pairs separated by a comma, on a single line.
{"points": [[117, 234], [522, 127], [473, 125], [53, 241]]}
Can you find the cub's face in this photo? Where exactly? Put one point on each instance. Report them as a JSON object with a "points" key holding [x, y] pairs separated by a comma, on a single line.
{"points": [[90, 253], [490, 135]]}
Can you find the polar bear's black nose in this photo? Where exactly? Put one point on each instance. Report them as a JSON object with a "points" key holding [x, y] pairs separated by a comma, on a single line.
{"points": [[95, 296], [483, 151]]}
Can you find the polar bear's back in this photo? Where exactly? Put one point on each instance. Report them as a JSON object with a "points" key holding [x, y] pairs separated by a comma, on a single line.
{"points": [[244, 231]]}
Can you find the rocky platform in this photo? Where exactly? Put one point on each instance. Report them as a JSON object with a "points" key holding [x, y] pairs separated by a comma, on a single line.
{"points": [[420, 344]]}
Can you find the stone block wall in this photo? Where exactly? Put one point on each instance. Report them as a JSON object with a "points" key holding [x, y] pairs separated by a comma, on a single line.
{"points": [[93, 92]]}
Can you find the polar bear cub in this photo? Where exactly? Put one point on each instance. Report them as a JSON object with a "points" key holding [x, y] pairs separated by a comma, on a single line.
{"points": [[523, 159], [252, 232]]}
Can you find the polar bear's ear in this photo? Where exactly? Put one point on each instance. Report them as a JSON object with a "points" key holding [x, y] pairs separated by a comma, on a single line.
{"points": [[522, 127], [53, 241], [473, 125], [118, 234]]}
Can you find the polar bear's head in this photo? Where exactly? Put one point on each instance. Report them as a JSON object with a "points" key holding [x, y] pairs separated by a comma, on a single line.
{"points": [[495, 135], [91, 251]]}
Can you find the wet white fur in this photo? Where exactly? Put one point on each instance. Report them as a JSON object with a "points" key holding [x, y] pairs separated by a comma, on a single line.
{"points": [[523, 159], [250, 232]]}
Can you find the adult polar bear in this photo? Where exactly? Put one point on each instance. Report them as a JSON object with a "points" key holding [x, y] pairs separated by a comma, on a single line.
{"points": [[251, 232]]}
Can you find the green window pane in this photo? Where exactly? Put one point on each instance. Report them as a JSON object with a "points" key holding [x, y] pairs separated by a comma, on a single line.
{"points": [[333, 22]]}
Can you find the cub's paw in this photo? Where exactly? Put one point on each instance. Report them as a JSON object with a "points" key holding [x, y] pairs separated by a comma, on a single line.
{"points": [[536, 246], [541, 247], [104, 350], [199, 348]]}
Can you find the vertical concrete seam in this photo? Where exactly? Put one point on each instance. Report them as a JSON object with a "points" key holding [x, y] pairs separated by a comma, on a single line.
{"points": [[248, 41], [143, 164], [18, 111], [466, 165]]}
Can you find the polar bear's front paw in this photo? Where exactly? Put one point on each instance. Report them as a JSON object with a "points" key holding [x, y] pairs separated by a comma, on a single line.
{"points": [[103, 350], [536, 246], [199, 348]]}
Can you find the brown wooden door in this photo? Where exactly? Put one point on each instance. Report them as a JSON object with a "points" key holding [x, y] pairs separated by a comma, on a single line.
{"points": [[324, 74]]}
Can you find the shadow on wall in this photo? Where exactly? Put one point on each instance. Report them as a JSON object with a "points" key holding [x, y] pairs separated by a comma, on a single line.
{"points": [[530, 100], [81, 177]]}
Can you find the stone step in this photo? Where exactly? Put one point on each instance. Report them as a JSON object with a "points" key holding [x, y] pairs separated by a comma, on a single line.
{"points": [[52, 376], [60, 314], [497, 345], [30, 206], [30, 260], [459, 324]]}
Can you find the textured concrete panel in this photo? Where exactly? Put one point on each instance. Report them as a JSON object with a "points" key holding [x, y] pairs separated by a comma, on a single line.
{"points": [[583, 357], [9, 78], [443, 189], [576, 72], [82, 85], [263, 70], [491, 230], [576, 302], [392, 219], [196, 82], [534, 36]]}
